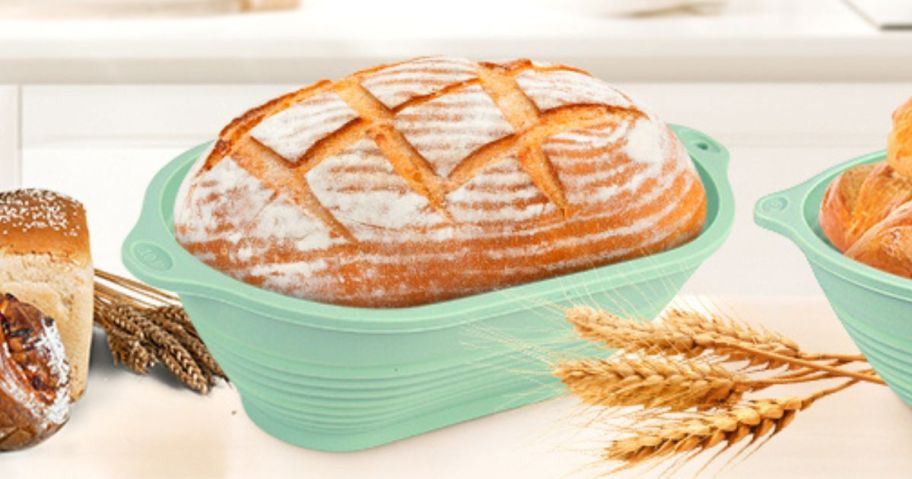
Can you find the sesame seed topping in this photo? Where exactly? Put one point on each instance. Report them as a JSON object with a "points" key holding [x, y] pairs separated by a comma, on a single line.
{"points": [[31, 209]]}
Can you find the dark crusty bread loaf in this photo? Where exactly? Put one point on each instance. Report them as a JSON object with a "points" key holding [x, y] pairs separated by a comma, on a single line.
{"points": [[437, 178], [34, 387]]}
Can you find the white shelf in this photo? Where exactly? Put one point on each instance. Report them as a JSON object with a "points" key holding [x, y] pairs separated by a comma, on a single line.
{"points": [[751, 39]]}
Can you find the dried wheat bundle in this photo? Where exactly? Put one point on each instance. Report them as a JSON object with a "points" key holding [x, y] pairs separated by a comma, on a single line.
{"points": [[146, 326], [683, 374]]}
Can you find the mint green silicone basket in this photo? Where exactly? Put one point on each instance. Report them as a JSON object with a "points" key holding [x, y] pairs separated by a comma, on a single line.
{"points": [[875, 307], [341, 378]]}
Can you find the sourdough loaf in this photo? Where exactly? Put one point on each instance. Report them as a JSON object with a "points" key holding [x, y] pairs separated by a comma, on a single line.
{"points": [[436, 178], [45, 261]]}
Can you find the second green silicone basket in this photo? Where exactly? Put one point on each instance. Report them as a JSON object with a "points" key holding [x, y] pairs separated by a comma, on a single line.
{"points": [[875, 307], [341, 378]]}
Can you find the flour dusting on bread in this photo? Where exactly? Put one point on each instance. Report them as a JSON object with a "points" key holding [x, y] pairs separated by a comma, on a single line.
{"points": [[435, 178], [294, 130], [449, 128], [396, 84]]}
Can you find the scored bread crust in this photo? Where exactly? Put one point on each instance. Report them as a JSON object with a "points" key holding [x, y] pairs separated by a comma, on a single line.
{"points": [[436, 178]]}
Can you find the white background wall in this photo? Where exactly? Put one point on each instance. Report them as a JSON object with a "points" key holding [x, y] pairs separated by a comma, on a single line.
{"points": [[102, 144]]}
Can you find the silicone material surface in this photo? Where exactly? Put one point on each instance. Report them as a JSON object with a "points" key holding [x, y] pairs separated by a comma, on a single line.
{"points": [[875, 307], [340, 378]]}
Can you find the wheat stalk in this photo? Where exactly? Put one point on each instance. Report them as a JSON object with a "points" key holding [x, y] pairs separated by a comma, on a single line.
{"points": [[652, 382], [723, 330], [174, 320], [128, 349], [663, 382], [174, 355], [681, 373], [714, 331], [698, 432], [146, 326], [691, 340], [691, 335]]}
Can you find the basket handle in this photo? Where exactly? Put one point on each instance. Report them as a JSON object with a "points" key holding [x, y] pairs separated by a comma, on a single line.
{"points": [[150, 251], [146, 255], [781, 212], [699, 145]]}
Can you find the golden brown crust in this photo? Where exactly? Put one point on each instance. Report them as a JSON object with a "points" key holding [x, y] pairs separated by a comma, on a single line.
{"points": [[882, 191], [888, 244], [43, 222], [568, 184], [838, 203], [867, 211], [486, 273], [867, 214], [899, 144], [240, 126]]}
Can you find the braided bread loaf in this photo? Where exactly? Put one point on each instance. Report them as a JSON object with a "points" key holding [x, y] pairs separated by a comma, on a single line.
{"points": [[437, 178]]}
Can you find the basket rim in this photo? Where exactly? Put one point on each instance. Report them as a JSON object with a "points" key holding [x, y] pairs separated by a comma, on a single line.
{"points": [[152, 254], [790, 212]]}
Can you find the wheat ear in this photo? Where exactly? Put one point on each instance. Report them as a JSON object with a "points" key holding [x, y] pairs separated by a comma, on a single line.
{"points": [[174, 320], [712, 331], [677, 334], [691, 335], [125, 339], [652, 382], [698, 432], [723, 329], [662, 382]]}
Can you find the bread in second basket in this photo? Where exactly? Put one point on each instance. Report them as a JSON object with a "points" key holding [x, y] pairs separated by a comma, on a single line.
{"points": [[437, 178], [866, 211]]}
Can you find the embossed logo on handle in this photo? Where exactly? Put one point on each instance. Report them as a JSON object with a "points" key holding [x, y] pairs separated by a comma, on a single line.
{"points": [[773, 205], [153, 256]]}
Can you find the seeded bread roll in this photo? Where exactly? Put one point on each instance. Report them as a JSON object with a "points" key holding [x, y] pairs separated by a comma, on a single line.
{"points": [[45, 261], [437, 178], [34, 389]]}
